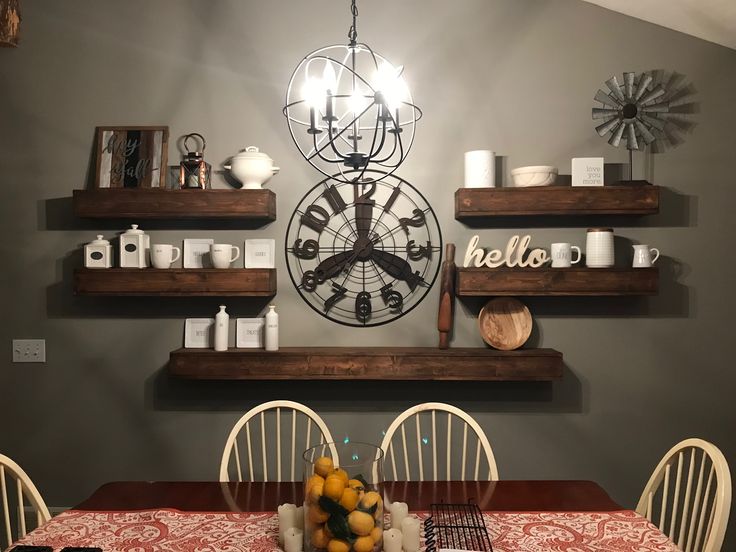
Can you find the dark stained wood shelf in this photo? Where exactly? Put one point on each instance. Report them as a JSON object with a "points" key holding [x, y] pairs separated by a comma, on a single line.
{"points": [[368, 363], [557, 281], [473, 203], [175, 282], [159, 203]]}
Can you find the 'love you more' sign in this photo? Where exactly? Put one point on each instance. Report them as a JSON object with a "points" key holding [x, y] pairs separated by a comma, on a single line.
{"points": [[514, 255]]}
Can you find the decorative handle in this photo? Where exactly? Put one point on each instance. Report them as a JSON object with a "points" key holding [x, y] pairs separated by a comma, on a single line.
{"points": [[227, 167], [194, 135], [655, 250], [276, 170], [237, 253], [252, 148], [178, 254], [580, 255]]}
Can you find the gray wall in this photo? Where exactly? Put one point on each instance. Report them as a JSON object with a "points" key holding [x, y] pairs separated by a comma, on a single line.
{"points": [[514, 76]]}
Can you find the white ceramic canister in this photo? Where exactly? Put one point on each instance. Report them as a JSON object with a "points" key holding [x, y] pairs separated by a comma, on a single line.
{"points": [[134, 248], [98, 253], [222, 326], [599, 248], [271, 340], [480, 169]]}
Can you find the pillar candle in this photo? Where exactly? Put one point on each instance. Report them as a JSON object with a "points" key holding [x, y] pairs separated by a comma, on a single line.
{"points": [[300, 518], [480, 169], [392, 540], [410, 534], [287, 519], [293, 540], [399, 510]]}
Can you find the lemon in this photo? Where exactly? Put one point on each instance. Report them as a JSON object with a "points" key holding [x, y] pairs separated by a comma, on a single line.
{"points": [[337, 545], [360, 523], [369, 499], [363, 544], [317, 514], [320, 538], [323, 466], [315, 491], [349, 499], [377, 534], [343, 475], [334, 486], [355, 484], [313, 480]]}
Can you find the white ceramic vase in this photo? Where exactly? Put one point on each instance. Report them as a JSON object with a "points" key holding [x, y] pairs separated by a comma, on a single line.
{"points": [[222, 326]]}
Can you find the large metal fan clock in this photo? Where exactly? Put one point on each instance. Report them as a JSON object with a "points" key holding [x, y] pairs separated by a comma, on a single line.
{"points": [[363, 253]]}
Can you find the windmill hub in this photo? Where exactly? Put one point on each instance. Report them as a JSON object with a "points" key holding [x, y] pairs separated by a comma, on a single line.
{"points": [[630, 111]]}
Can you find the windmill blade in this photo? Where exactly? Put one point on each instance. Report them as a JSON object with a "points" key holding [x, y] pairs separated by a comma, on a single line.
{"points": [[644, 81], [629, 85], [653, 121], [663, 107], [615, 138], [631, 142], [652, 95], [615, 89], [605, 99], [647, 136], [602, 113], [607, 127]]}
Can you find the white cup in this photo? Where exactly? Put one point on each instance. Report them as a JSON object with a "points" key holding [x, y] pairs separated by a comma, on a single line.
{"points": [[599, 248], [643, 256], [480, 169], [162, 255], [221, 254], [562, 255]]}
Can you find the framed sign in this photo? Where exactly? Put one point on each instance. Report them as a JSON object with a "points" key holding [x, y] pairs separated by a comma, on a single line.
{"points": [[131, 157]]}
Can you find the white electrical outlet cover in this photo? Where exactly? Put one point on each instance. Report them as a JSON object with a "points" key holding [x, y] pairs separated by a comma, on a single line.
{"points": [[29, 350]]}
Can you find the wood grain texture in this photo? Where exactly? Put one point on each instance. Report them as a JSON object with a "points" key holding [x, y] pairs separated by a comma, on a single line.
{"points": [[556, 200], [484, 282], [505, 323], [154, 203], [367, 363], [445, 315], [231, 282]]}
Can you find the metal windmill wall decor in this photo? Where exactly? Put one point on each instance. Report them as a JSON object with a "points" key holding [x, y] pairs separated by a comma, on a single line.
{"points": [[631, 110]]}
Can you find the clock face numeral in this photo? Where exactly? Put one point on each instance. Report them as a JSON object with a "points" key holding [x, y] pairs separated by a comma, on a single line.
{"points": [[306, 251], [416, 252], [416, 221], [363, 252], [363, 306]]}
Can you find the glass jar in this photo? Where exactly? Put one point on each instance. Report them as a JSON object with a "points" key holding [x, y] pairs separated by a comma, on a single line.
{"points": [[343, 497]]}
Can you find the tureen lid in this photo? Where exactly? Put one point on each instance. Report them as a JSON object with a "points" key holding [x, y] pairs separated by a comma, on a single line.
{"points": [[251, 152], [99, 241], [134, 230]]}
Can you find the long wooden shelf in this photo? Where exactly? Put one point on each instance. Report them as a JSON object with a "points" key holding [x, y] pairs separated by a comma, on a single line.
{"points": [[471, 203], [368, 363], [557, 281], [231, 282], [159, 203]]}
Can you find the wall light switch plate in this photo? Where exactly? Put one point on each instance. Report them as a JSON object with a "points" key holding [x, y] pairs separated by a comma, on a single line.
{"points": [[29, 350]]}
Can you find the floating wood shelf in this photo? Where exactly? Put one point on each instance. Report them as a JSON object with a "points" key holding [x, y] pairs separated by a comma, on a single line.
{"points": [[367, 363], [556, 281], [158, 203], [231, 282], [473, 203]]}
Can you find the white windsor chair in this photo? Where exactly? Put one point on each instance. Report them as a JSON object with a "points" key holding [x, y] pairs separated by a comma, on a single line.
{"points": [[13, 505]]}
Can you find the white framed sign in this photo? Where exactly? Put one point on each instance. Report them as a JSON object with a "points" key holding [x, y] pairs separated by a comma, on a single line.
{"points": [[198, 333], [260, 253], [197, 253], [249, 333]]}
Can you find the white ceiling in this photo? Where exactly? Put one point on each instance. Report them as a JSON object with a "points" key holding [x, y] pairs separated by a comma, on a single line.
{"points": [[712, 20]]}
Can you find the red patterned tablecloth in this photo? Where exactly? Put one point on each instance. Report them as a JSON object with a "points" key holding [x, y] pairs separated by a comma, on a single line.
{"points": [[176, 531]]}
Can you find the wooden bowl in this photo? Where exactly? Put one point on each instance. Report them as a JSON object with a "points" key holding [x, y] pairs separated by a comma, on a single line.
{"points": [[505, 323]]}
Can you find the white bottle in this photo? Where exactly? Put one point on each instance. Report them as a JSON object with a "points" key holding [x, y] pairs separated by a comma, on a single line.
{"points": [[272, 329], [222, 325]]}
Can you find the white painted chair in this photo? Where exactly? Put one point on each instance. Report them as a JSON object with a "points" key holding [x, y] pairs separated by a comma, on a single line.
{"points": [[453, 451], [696, 521], [13, 501], [268, 431]]}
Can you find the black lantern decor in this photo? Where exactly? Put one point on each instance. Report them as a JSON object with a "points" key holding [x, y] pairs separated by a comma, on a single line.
{"points": [[194, 171]]}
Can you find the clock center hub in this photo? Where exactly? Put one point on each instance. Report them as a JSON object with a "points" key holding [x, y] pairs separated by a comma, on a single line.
{"points": [[363, 247]]}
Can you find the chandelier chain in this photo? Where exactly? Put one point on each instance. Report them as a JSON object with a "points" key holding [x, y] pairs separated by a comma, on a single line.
{"points": [[353, 32]]}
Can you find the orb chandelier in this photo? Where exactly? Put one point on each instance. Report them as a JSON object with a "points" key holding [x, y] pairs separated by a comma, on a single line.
{"points": [[348, 107]]}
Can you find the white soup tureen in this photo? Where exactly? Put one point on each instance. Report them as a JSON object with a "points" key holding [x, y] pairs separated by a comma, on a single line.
{"points": [[252, 167]]}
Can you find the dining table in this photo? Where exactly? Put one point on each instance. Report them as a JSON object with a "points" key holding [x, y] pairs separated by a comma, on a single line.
{"points": [[520, 516]]}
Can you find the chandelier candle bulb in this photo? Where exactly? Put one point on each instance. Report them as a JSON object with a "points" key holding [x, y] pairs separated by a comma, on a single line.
{"points": [[392, 540], [410, 534], [399, 510]]}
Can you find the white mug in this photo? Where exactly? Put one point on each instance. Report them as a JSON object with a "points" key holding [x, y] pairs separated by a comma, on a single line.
{"points": [[562, 255], [162, 255], [643, 256], [221, 254], [599, 248]]}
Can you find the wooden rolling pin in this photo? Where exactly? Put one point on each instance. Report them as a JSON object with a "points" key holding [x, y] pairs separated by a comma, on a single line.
{"points": [[447, 297]]}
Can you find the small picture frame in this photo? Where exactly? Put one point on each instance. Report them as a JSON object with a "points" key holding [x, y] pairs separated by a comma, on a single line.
{"points": [[259, 253], [198, 333], [249, 333], [587, 171], [197, 252], [131, 157]]}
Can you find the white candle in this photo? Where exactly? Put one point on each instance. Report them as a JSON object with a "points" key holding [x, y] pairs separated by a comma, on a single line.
{"points": [[300, 518], [399, 510], [287, 520], [392, 540], [410, 534], [293, 540], [480, 170]]}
